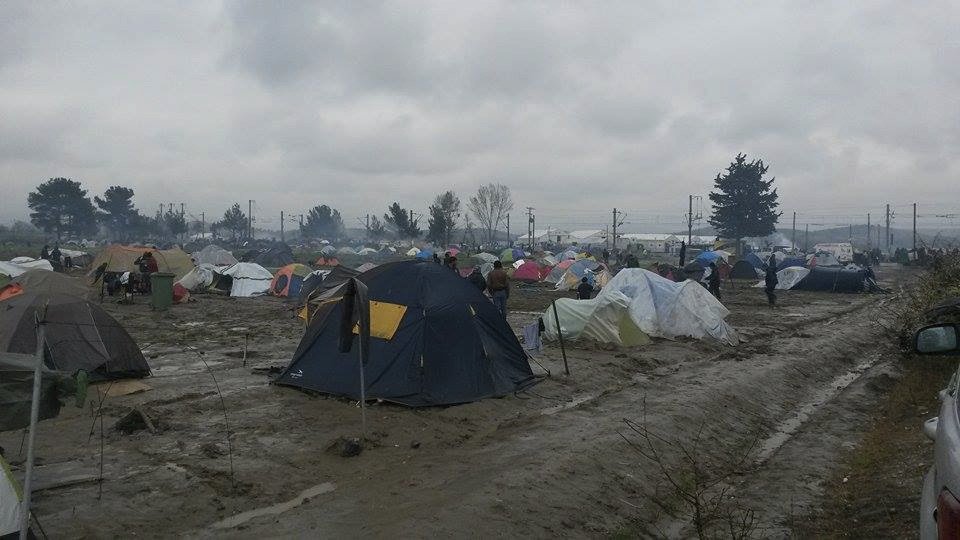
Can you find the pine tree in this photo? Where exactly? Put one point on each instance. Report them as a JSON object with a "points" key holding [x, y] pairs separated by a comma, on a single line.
{"points": [[744, 204]]}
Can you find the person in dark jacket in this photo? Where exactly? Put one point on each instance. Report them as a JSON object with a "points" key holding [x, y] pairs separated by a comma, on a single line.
{"points": [[476, 278], [771, 281], [713, 280], [584, 290], [55, 258], [499, 286], [683, 254], [45, 252]]}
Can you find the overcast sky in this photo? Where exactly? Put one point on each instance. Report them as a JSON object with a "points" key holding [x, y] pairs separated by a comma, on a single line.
{"points": [[578, 107]]}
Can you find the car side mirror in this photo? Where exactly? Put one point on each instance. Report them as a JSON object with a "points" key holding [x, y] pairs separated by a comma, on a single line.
{"points": [[936, 339]]}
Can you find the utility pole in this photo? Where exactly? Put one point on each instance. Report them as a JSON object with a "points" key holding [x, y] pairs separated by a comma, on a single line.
{"points": [[806, 236], [281, 227], [509, 242], [181, 209], [794, 240], [868, 230], [690, 220], [888, 229], [851, 232], [250, 219], [914, 227], [531, 221]]}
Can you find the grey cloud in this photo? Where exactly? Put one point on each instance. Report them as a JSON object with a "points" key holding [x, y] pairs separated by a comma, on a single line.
{"points": [[576, 107]]}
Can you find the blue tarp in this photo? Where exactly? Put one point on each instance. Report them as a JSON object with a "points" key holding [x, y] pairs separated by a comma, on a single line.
{"points": [[786, 263], [708, 257], [425, 254]]}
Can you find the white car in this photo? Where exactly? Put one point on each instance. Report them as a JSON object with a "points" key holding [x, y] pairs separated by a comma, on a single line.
{"points": [[940, 499]]}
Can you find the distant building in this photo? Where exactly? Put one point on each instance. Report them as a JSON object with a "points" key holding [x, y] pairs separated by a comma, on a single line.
{"points": [[590, 237], [654, 243], [546, 236]]}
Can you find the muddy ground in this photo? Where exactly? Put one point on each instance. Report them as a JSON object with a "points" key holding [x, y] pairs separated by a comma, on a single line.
{"points": [[767, 422]]}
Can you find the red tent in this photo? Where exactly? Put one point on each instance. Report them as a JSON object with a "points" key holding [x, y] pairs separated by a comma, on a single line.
{"points": [[530, 272], [332, 261]]}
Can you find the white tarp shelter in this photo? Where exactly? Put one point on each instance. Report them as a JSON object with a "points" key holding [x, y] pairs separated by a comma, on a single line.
{"points": [[249, 279], [657, 306], [19, 265], [843, 251], [788, 278], [10, 502], [199, 278]]}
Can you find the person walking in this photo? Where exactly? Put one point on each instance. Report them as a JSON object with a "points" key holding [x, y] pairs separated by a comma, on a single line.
{"points": [[499, 287], [771, 281], [584, 290], [713, 280], [476, 279], [683, 254], [55, 257]]}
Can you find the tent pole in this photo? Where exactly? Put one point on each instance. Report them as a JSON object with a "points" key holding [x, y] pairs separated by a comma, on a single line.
{"points": [[563, 349], [34, 416], [363, 384]]}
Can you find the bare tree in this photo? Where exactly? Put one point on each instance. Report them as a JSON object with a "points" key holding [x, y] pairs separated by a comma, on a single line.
{"points": [[490, 206]]}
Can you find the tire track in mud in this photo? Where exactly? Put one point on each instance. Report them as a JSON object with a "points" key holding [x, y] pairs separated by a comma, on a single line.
{"points": [[565, 470]]}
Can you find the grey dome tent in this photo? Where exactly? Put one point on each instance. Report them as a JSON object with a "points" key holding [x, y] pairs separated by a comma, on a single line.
{"points": [[79, 335], [435, 340]]}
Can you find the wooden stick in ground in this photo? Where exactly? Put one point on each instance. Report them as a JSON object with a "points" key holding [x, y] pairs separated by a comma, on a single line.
{"points": [[563, 349]]}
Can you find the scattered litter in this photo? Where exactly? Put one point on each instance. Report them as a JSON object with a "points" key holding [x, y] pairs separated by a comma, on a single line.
{"points": [[123, 387]]}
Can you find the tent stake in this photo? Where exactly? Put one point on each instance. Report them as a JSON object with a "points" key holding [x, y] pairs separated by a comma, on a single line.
{"points": [[34, 416], [563, 349]]}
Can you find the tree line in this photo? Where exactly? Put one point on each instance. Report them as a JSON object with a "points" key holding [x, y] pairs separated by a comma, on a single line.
{"points": [[62, 207], [744, 204]]}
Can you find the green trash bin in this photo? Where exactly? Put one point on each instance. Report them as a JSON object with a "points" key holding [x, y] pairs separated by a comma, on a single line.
{"points": [[161, 286]]}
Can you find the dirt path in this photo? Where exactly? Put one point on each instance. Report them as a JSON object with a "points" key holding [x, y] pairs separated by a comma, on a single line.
{"points": [[546, 462]]}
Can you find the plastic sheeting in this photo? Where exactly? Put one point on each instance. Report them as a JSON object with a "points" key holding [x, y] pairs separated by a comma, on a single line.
{"points": [[199, 278], [249, 279], [14, 269], [788, 278], [661, 308], [11, 500], [214, 255]]}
